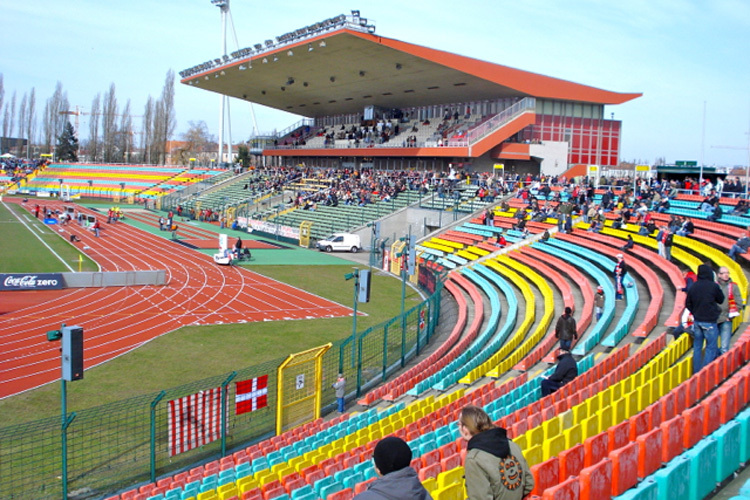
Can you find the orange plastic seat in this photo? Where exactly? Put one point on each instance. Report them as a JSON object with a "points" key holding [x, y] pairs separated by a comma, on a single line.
{"points": [[596, 481], [546, 475], [624, 468], [571, 461], [649, 452], [566, 490], [595, 449], [693, 425]]}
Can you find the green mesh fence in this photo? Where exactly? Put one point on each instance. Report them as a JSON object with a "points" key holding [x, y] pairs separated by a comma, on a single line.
{"points": [[110, 446]]}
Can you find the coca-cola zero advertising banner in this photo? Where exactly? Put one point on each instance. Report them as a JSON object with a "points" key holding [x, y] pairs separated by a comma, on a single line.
{"points": [[46, 281]]}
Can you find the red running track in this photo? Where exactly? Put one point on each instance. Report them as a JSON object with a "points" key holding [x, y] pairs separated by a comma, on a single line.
{"points": [[119, 319]]}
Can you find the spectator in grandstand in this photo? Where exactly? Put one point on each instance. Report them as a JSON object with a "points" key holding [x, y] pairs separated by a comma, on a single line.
{"points": [[667, 240], [689, 276], [566, 329], [629, 244], [740, 208], [741, 246], [730, 308], [494, 468], [704, 299], [340, 387], [397, 481], [716, 213], [599, 302], [686, 228], [565, 371], [685, 326], [619, 275]]}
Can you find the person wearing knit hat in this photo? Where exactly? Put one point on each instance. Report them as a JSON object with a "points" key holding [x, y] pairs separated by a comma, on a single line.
{"points": [[599, 302], [495, 468], [397, 481]]}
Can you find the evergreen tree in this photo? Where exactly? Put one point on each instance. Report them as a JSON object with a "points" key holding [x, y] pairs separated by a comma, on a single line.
{"points": [[67, 144], [243, 155]]}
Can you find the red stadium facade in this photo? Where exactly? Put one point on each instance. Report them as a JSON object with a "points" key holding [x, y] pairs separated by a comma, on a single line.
{"points": [[373, 101]]}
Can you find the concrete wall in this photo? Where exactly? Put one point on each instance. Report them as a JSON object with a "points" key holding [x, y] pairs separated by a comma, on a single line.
{"points": [[419, 221], [554, 156], [124, 278]]}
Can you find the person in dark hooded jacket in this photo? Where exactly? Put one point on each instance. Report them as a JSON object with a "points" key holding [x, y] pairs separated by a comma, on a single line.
{"points": [[565, 371], [704, 300], [397, 481], [495, 468]]}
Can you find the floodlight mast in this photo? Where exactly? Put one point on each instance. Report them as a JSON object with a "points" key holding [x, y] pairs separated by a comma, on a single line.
{"points": [[223, 5]]}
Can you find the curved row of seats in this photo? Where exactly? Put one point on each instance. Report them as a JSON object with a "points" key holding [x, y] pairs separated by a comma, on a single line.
{"points": [[582, 441], [96, 180]]}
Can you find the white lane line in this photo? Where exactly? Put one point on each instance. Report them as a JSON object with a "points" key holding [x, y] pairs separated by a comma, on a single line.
{"points": [[40, 239]]}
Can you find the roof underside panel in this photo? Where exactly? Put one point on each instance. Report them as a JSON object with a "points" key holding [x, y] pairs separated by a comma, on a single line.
{"points": [[352, 70]]}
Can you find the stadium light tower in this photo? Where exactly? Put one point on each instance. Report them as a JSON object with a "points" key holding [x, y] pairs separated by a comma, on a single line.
{"points": [[223, 5]]}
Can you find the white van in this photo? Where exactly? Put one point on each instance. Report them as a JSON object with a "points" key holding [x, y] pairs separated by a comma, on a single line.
{"points": [[340, 242]]}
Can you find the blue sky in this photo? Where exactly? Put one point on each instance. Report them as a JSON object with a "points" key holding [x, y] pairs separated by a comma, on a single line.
{"points": [[680, 54]]}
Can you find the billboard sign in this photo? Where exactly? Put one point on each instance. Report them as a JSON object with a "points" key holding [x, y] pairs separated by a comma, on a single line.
{"points": [[48, 281]]}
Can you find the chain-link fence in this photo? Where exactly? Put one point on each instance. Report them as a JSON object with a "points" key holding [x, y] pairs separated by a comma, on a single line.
{"points": [[121, 444]]}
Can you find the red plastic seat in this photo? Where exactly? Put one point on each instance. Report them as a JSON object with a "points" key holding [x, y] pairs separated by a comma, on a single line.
{"points": [[596, 481], [567, 490], [546, 475], [649, 452], [571, 461], [624, 468], [596, 448]]}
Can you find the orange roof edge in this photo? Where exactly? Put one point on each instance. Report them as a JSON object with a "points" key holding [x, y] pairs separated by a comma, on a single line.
{"points": [[532, 84]]}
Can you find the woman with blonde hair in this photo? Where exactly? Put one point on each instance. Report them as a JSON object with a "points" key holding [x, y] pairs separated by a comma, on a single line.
{"points": [[495, 468]]}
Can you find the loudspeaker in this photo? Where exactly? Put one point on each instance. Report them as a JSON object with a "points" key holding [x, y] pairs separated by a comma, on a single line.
{"points": [[72, 353], [364, 286]]}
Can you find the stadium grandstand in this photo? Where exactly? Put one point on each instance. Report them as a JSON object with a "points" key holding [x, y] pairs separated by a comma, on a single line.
{"points": [[640, 421], [403, 106]]}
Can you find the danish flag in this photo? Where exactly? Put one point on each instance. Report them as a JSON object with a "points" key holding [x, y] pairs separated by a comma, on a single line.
{"points": [[251, 395]]}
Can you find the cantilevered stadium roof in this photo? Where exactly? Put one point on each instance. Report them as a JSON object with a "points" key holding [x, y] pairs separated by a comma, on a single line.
{"points": [[344, 70]]}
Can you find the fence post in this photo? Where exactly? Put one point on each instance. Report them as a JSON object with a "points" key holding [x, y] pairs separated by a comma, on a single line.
{"points": [[359, 365], [385, 351], [155, 402], [224, 413], [66, 421]]}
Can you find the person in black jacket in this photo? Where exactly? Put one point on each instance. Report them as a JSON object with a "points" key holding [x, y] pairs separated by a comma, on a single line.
{"points": [[703, 300], [565, 371], [397, 480], [566, 329]]}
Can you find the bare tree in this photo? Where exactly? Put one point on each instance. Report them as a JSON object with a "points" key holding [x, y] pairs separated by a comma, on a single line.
{"points": [[2, 91], [109, 123], [126, 133], [164, 117], [2, 101], [31, 120], [12, 114], [197, 143], [160, 135], [6, 121], [21, 127], [147, 139], [54, 121], [93, 142]]}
